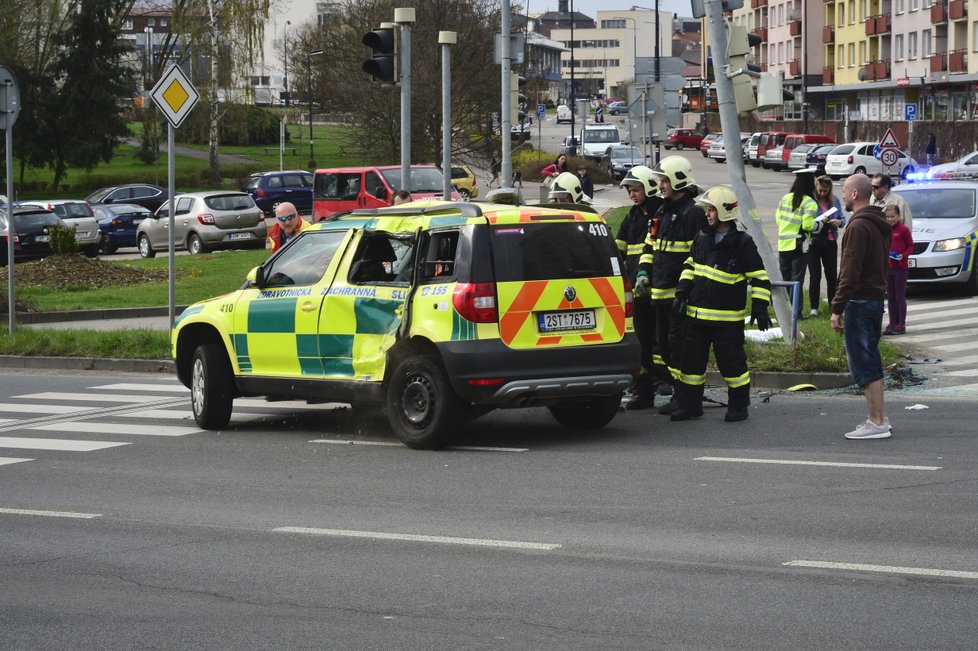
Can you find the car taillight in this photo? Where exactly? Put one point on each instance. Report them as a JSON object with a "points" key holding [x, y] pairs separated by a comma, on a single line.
{"points": [[850, 160], [117, 222], [261, 193], [475, 302], [205, 218], [629, 298]]}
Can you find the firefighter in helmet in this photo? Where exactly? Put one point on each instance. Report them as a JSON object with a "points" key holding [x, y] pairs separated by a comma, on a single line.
{"points": [[712, 296]]}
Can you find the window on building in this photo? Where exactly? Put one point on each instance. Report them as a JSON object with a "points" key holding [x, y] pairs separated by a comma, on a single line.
{"points": [[840, 58], [913, 5], [852, 55], [912, 45], [842, 14], [898, 47], [780, 53], [151, 22], [127, 25], [862, 53], [925, 45], [852, 12], [974, 37], [901, 6], [162, 22]]}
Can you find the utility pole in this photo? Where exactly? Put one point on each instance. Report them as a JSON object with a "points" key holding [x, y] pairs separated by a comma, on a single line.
{"points": [[506, 138], [729, 121], [446, 40], [309, 56], [404, 17]]}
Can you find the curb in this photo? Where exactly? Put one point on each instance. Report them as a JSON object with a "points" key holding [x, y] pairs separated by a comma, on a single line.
{"points": [[87, 364], [28, 318], [759, 379]]}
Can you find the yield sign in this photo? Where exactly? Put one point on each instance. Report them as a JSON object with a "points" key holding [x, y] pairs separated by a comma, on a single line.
{"points": [[889, 140], [175, 95]]}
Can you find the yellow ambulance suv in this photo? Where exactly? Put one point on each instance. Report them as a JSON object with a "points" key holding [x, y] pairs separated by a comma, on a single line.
{"points": [[438, 311]]}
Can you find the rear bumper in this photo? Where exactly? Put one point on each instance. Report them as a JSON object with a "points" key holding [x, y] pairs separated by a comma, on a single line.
{"points": [[490, 373]]}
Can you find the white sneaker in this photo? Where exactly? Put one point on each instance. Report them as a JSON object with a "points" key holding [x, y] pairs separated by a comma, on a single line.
{"points": [[870, 430], [813, 313]]}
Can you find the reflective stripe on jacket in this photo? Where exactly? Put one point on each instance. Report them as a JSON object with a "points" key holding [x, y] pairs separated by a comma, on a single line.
{"points": [[794, 225], [679, 223], [716, 274]]}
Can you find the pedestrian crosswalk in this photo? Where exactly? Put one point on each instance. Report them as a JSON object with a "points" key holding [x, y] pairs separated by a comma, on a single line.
{"points": [[106, 416], [940, 342]]}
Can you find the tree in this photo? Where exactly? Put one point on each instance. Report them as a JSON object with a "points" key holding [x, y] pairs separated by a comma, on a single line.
{"points": [[84, 118], [341, 85]]}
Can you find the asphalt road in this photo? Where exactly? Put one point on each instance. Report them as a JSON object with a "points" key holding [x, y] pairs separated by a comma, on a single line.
{"points": [[311, 528]]}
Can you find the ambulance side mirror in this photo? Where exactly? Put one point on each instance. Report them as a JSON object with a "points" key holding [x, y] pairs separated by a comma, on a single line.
{"points": [[256, 277]]}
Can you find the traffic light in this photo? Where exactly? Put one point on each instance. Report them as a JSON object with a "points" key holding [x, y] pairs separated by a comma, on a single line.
{"points": [[739, 43], [382, 66], [517, 100]]}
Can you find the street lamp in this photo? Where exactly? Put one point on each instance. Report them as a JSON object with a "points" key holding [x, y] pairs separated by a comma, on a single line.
{"points": [[148, 31], [285, 61], [309, 56]]}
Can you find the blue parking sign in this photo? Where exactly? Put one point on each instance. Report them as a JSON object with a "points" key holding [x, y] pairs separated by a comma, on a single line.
{"points": [[541, 110], [909, 112]]}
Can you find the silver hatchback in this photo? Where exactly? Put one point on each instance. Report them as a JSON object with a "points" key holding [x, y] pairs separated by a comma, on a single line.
{"points": [[205, 221]]}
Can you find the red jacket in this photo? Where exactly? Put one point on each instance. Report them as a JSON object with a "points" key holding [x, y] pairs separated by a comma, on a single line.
{"points": [[276, 236], [901, 241]]}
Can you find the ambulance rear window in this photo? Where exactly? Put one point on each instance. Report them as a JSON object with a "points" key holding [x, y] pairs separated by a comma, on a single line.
{"points": [[553, 250]]}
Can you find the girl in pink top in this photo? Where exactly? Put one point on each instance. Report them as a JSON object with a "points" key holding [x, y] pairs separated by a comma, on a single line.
{"points": [[901, 246]]}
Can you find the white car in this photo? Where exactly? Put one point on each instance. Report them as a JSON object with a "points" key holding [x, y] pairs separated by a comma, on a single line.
{"points": [[967, 166], [79, 215], [945, 223], [772, 158], [857, 158]]}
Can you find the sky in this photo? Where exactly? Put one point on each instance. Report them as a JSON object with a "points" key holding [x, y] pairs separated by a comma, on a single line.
{"points": [[591, 7]]}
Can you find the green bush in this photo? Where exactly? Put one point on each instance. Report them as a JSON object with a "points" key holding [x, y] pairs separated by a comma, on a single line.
{"points": [[63, 240], [241, 125]]}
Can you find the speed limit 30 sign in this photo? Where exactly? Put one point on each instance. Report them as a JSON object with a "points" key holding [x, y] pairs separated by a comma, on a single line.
{"points": [[889, 157]]}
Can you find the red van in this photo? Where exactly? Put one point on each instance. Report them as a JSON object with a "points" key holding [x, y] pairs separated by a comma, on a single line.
{"points": [[792, 140], [767, 140], [347, 188]]}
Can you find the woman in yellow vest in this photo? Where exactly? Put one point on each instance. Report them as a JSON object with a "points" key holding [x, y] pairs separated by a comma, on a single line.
{"points": [[796, 221]]}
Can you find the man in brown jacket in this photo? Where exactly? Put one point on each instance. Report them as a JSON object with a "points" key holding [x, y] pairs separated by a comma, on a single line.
{"points": [[859, 299]]}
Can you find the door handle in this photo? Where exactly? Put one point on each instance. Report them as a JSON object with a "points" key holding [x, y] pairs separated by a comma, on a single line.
{"points": [[308, 307]]}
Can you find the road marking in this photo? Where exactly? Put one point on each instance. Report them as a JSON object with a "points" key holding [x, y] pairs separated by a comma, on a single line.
{"points": [[52, 514], [40, 409], [91, 413], [286, 404], [390, 444], [65, 445], [90, 397], [380, 535], [479, 448], [395, 444], [162, 414], [114, 428], [889, 569], [834, 464], [6, 461], [132, 386], [7, 420]]}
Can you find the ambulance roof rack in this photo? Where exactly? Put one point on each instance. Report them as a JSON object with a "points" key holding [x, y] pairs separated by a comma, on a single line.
{"points": [[409, 210]]}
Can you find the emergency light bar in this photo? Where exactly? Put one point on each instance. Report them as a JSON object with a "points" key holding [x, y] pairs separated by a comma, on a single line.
{"points": [[923, 177]]}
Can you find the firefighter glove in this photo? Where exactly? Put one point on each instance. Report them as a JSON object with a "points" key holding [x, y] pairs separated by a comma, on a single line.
{"points": [[679, 304], [641, 285], [760, 316]]}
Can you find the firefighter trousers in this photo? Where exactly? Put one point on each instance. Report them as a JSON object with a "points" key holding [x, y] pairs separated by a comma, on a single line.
{"points": [[669, 339], [727, 341], [644, 319]]}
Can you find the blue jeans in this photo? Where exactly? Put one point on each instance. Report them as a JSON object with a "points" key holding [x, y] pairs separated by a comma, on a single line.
{"points": [[863, 325]]}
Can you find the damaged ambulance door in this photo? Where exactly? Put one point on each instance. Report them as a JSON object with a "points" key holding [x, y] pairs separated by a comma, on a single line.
{"points": [[364, 307]]}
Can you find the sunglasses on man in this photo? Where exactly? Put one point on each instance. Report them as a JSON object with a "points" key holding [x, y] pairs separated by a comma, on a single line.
{"points": [[287, 218]]}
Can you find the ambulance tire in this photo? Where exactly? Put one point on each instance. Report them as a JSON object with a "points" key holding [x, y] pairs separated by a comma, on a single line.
{"points": [[211, 387], [422, 408], [587, 414]]}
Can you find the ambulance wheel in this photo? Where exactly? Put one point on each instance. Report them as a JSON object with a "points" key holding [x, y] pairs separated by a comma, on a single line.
{"points": [[211, 387], [587, 414], [422, 408]]}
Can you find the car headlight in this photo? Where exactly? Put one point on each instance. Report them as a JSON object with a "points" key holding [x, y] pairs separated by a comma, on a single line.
{"points": [[952, 244]]}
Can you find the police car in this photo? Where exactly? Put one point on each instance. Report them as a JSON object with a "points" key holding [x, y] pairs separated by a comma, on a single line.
{"points": [[945, 228], [436, 310]]}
